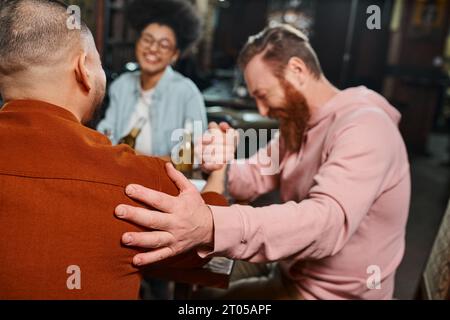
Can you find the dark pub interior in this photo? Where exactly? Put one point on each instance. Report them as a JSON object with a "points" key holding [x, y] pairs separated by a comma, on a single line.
{"points": [[225, 149]]}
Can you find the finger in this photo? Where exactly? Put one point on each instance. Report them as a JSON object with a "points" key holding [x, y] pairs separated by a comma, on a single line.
{"points": [[224, 126], [148, 240], [207, 139], [153, 198], [144, 217], [213, 160], [153, 256], [208, 168], [214, 149], [178, 178], [214, 135], [213, 125]]}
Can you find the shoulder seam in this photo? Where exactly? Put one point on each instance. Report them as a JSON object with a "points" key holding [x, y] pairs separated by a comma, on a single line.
{"points": [[42, 177]]}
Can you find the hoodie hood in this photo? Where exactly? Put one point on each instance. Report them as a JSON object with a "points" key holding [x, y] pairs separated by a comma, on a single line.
{"points": [[353, 99]]}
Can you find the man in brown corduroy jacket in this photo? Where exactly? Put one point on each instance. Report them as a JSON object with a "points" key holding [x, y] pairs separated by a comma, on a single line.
{"points": [[60, 182]]}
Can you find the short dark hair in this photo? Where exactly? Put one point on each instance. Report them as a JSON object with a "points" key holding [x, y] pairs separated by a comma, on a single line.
{"points": [[31, 31], [278, 45], [178, 15]]}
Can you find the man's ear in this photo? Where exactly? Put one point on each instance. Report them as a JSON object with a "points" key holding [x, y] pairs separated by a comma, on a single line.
{"points": [[82, 73], [296, 70]]}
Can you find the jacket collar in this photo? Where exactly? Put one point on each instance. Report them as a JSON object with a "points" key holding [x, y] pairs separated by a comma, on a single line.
{"points": [[36, 106]]}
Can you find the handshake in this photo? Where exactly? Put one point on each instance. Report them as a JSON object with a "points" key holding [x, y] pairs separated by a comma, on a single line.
{"points": [[217, 147]]}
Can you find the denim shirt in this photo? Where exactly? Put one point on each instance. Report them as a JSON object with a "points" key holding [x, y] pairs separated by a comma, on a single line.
{"points": [[175, 99]]}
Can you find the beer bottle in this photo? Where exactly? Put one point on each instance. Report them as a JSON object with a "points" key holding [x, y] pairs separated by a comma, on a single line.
{"points": [[130, 139], [185, 161]]}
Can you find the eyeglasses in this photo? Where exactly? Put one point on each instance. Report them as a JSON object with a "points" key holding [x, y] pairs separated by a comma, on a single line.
{"points": [[164, 45]]}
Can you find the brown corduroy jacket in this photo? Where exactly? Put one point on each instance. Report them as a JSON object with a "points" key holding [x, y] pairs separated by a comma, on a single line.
{"points": [[59, 185]]}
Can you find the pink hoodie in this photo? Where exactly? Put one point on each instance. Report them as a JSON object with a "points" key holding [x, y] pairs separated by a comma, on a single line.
{"points": [[346, 197]]}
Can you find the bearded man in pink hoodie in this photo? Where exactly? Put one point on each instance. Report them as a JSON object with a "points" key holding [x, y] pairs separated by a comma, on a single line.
{"points": [[343, 175]]}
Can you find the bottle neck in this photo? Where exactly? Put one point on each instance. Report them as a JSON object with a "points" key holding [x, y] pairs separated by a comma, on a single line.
{"points": [[135, 132], [138, 128], [187, 137]]}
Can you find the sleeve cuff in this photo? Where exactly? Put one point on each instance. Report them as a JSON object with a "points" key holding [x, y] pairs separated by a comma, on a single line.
{"points": [[229, 233]]}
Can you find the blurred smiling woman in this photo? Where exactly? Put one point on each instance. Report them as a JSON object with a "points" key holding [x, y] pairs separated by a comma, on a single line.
{"points": [[156, 96]]}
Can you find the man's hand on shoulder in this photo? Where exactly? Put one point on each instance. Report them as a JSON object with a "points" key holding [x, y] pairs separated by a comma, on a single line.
{"points": [[183, 222]]}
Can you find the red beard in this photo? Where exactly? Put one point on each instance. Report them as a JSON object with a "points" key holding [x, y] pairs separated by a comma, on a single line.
{"points": [[293, 117]]}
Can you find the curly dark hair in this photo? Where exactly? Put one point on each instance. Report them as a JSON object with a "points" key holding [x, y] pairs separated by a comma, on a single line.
{"points": [[179, 15]]}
